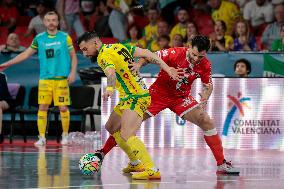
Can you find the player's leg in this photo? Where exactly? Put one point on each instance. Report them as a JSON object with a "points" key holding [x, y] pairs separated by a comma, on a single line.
{"points": [[61, 98], [132, 117], [200, 118], [44, 100], [112, 127]]}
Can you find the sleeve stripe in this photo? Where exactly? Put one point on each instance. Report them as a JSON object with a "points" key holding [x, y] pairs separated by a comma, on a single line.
{"points": [[33, 46]]}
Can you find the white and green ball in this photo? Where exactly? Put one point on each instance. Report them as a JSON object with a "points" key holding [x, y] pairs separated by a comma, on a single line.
{"points": [[90, 164]]}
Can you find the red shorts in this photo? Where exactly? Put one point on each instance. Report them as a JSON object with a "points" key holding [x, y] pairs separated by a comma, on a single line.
{"points": [[161, 100]]}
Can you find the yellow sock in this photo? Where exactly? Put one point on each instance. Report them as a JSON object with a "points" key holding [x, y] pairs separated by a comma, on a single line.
{"points": [[41, 122], [65, 120], [142, 152], [125, 147]]}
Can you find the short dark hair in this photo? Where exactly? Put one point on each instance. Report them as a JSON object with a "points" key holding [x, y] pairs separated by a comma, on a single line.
{"points": [[164, 37], [201, 42], [247, 63], [87, 36], [52, 13]]}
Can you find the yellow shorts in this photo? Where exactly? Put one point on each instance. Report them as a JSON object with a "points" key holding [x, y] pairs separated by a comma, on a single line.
{"points": [[139, 105], [56, 90]]}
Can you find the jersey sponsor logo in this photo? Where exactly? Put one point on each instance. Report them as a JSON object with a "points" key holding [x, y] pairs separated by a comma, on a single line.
{"points": [[184, 81], [165, 52], [54, 43]]}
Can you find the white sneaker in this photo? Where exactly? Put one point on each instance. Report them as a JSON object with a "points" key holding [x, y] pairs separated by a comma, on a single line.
{"points": [[227, 168], [64, 140], [41, 141]]}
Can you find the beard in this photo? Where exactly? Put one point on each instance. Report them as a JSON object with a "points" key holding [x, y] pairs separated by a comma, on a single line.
{"points": [[94, 58]]}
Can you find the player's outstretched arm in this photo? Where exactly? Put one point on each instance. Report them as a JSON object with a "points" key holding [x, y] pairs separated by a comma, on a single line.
{"points": [[18, 59], [154, 59]]}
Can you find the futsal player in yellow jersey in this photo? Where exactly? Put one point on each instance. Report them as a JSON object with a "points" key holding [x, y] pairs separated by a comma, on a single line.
{"points": [[114, 59]]}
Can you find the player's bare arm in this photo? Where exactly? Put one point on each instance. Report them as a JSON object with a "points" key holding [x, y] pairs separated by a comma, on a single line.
{"points": [[18, 59], [111, 80], [154, 59], [205, 94], [74, 62]]}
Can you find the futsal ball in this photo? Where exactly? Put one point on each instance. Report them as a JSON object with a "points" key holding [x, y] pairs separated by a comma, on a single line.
{"points": [[90, 164]]}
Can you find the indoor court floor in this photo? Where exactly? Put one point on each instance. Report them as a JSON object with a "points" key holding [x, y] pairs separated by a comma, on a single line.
{"points": [[25, 166]]}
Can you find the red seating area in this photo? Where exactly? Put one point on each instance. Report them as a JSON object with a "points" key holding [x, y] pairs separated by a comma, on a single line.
{"points": [[203, 21]]}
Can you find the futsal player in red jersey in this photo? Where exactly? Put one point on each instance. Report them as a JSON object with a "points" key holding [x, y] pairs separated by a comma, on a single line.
{"points": [[175, 95]]}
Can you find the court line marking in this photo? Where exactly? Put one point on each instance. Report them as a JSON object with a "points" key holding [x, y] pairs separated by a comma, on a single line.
{"points": [[165, 182]]}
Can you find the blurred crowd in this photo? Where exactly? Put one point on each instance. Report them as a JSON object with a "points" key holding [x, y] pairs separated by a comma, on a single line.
{"points": [[232, 25]]}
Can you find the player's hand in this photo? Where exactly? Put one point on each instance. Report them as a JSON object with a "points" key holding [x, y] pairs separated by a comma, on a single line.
{"points": [[107, 94], [135, 67], [71, 78], [176, 74]]}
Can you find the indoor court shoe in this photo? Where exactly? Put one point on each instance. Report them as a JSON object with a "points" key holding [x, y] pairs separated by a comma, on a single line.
{"points": [[133, 168], [64, 140], [41, 141], [148, 174], [227, 168]]}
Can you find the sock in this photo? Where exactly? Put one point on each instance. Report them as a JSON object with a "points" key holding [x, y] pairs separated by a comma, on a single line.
{"points": [[110, 143], [65, 121], [41, 122], [141, 151], [214, 142], [125, 147]]}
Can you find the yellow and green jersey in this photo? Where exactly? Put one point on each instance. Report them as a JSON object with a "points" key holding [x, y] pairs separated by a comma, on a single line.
{"points": [[118, 56]]}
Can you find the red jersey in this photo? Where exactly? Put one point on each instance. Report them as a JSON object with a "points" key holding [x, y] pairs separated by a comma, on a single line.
{"points": [[176, 57]]}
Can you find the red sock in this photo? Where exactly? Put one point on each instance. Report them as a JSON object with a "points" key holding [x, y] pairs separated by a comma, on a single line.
{"points": [[215, 144], [110, 143]]}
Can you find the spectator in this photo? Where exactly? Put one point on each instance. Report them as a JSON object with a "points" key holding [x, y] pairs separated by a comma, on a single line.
{"points": [[278, 44], [226, 11], [191, 32], [6, 100], [151, 30], [69, 12], [219, 40], [272, 31], [258, 13], [244, 41], [117, 18], [164, 42], [178, 40], [36, 24], [135, 37], [242, 68], [240, 3], [101, 25], [163, 29], [8, 15], [12, 44], [180, 27]]}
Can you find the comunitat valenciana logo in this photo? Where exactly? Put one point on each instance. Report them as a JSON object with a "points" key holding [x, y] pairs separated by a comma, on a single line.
{"points": [[241, 124]]}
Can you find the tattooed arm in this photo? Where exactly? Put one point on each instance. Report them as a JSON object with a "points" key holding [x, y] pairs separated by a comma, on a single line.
{"points": [[154, 59], [206, 91], [111, 80]]}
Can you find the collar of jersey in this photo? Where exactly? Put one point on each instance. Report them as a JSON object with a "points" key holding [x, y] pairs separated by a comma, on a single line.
{"points": [[51, 35], [101, 47]]}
